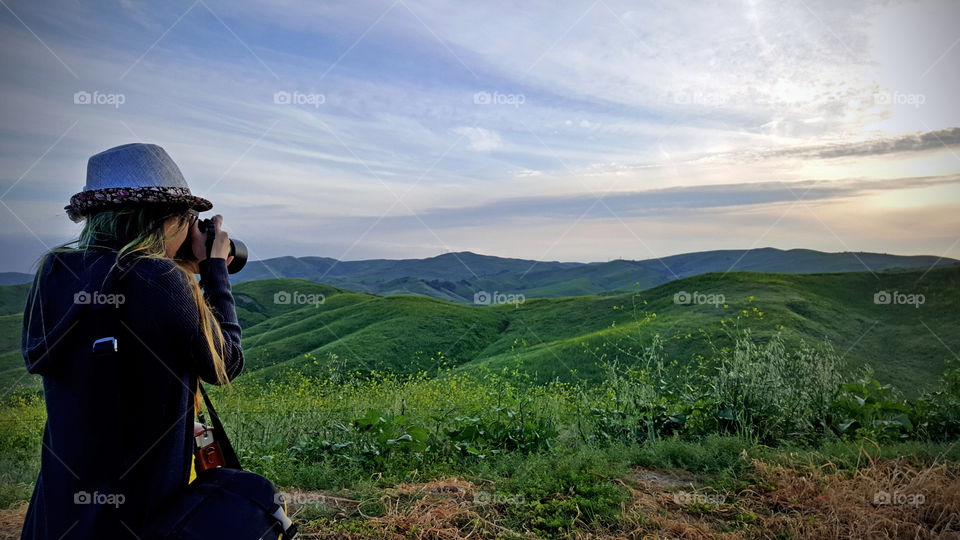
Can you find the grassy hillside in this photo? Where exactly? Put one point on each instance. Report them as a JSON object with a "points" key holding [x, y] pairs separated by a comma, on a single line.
{"points": [[458, 276], [566, 337]]}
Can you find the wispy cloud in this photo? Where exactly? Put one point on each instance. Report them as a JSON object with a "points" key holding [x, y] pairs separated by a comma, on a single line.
{"points": [[677, 202], [938, 140], [481, 140]]}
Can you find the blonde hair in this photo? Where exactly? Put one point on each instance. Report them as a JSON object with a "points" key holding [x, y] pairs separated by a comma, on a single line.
{"points": [[140, 232]]}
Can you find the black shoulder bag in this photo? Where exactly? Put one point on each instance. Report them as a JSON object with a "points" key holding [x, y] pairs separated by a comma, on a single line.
{"points": [[221, 502]]}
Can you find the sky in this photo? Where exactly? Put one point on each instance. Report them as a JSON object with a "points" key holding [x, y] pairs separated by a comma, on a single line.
{"points": [[555, 130]]}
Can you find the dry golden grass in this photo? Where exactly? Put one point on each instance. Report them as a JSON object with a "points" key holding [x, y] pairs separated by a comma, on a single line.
{"points": [[817, 502], [783, 501], [795, 501], [823, 503], [11, 521]]}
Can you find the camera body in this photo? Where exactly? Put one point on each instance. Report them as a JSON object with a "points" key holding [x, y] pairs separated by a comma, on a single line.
{"points": [[238, 250], [208, 452]]}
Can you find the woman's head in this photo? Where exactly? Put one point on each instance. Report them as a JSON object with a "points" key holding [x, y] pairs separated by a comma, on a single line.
{"points": [[136, 201]]}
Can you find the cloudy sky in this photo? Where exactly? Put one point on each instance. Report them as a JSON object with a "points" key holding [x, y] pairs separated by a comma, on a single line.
{"points": [[573, 130]]}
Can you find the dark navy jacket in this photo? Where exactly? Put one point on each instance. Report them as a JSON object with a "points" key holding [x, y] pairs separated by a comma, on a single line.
{"points": [[119, 433]]}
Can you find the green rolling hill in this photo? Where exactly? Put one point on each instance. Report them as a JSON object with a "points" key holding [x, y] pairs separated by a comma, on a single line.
{"points": [[907, 345], [561, 337]]}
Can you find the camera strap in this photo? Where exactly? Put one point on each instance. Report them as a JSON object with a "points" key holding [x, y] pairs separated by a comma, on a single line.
{"points": [[219, 434]]}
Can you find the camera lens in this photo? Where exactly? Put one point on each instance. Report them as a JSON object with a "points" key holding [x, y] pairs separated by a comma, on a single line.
{"points": [[237, 248]]}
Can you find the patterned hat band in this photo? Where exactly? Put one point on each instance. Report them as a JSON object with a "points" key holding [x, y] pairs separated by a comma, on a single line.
{"points": [[130, 175], [85, 202]]}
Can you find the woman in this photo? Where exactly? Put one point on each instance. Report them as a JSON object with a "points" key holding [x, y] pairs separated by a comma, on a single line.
{"points": [[119, 433]]}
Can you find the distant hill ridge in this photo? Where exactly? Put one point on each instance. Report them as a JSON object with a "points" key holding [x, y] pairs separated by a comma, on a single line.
{"points": [[458, 276], [15, 278]]}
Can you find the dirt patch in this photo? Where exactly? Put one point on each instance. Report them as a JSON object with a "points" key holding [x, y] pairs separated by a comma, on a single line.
{"points": [[11, 521], [299, 500], [664, 478], [446, 509]]}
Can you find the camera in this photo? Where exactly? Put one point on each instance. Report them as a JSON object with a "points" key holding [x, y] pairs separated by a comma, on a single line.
{"points": [[237, 248], [207, 451]]}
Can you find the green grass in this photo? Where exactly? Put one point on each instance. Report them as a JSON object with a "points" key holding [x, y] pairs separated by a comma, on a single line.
{"points": [[550, 453]]}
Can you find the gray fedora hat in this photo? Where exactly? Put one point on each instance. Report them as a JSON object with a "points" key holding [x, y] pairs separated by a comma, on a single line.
{"points": [[132, 175]]}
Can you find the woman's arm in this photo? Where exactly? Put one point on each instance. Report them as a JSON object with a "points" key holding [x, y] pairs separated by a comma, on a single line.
{"points": [[165, 316]]}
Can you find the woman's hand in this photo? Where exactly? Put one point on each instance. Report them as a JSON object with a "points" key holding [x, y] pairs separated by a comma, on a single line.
{"points": [[198, 241], [221, 242]]}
